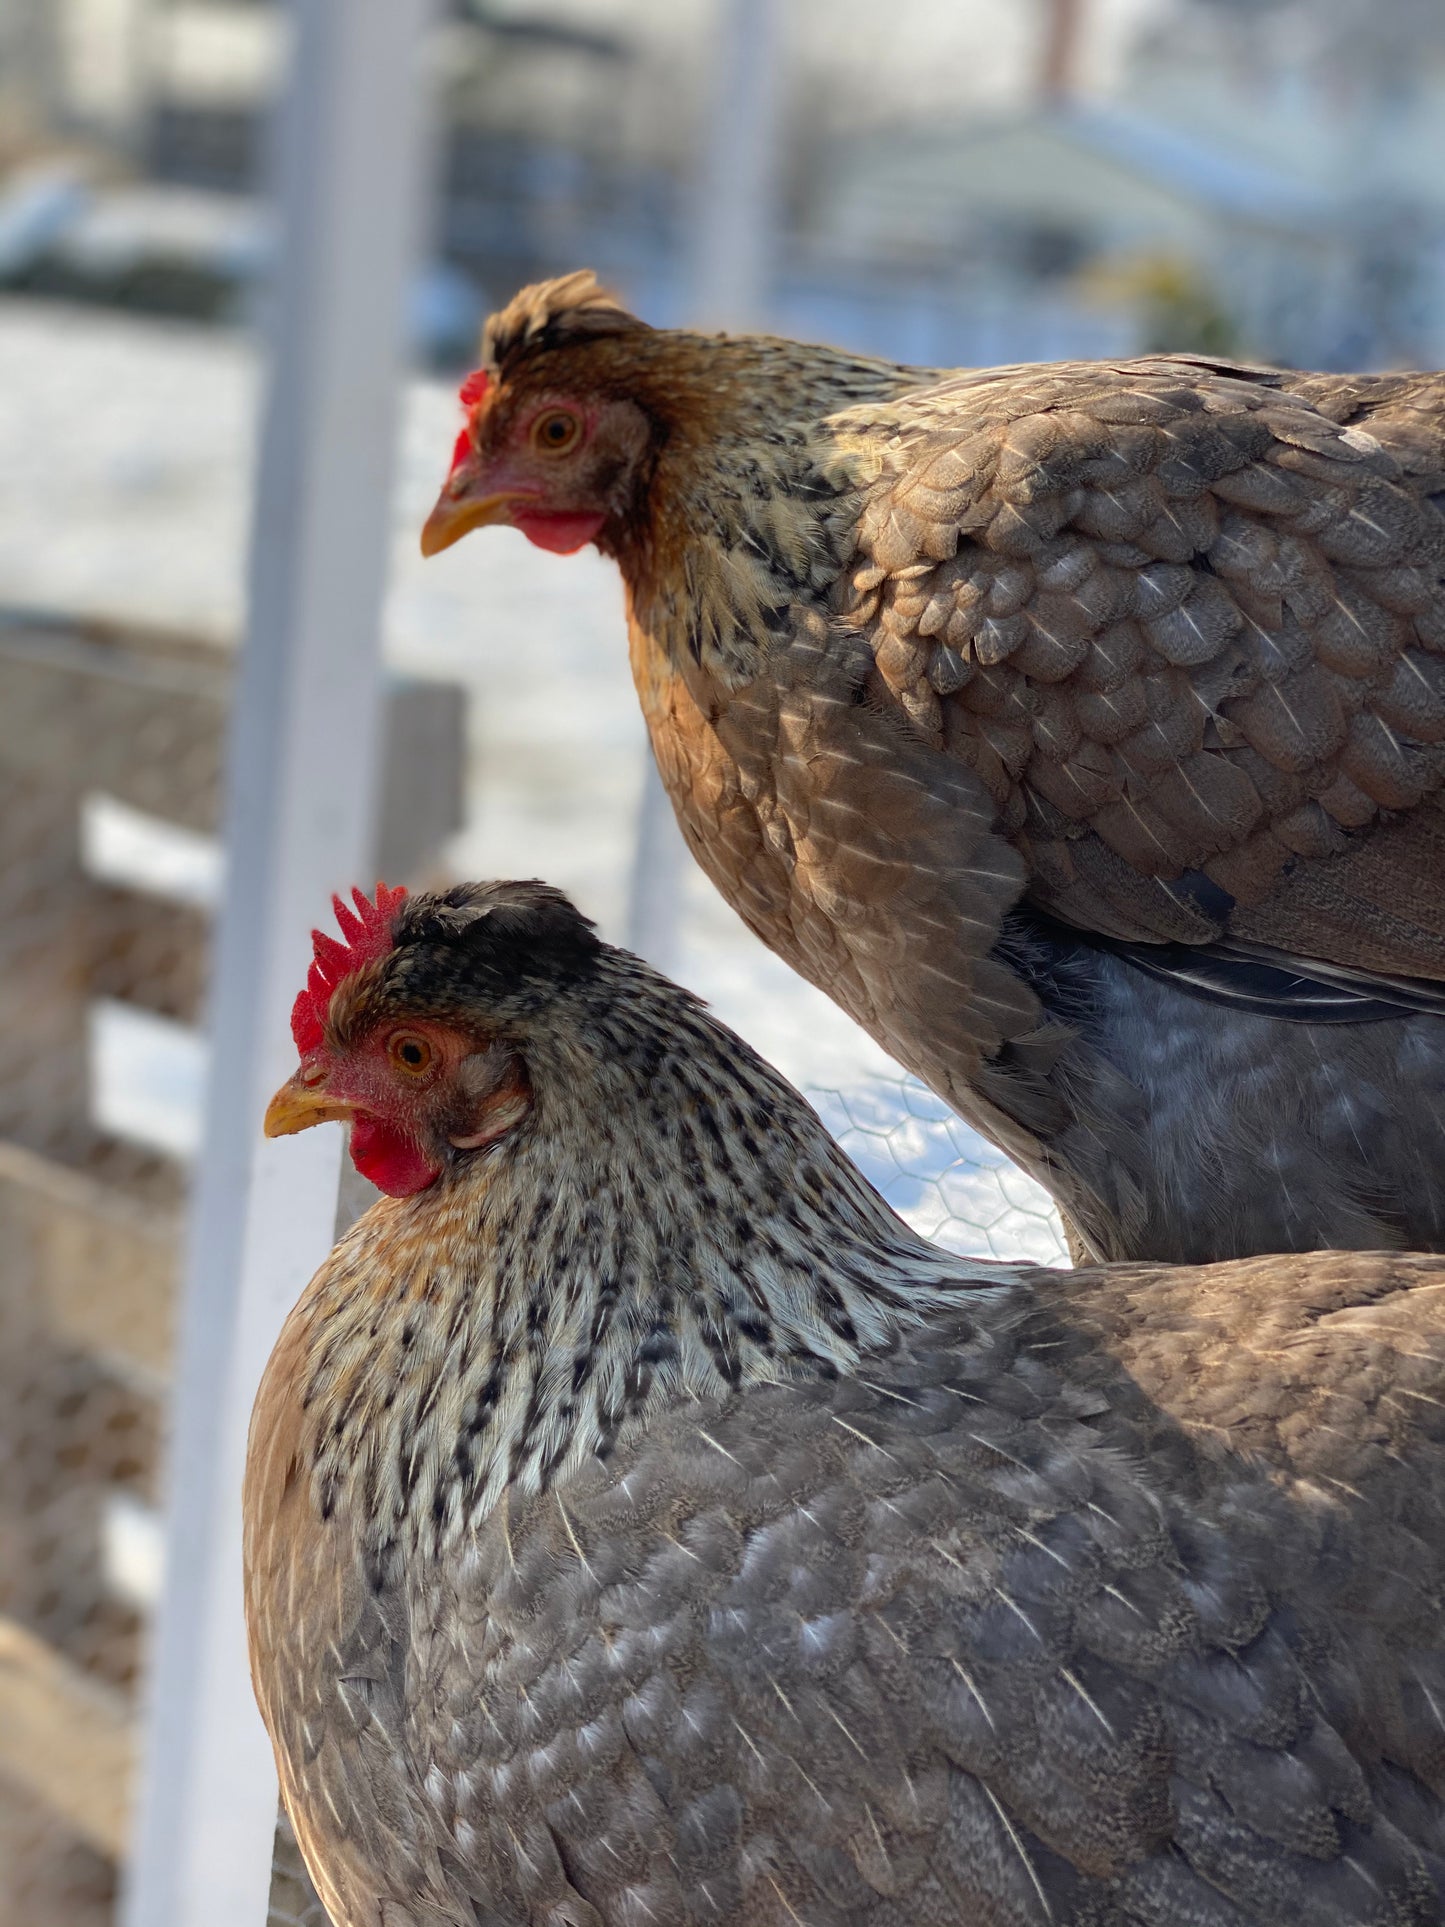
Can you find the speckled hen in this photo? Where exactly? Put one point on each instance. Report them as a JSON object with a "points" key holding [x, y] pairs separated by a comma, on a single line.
{"points": [[1079, 729], [643, 1525]]}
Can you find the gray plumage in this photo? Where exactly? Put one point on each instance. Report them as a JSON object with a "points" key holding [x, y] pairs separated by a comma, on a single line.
{"points": [[1229, 1128], [645, 1526]]}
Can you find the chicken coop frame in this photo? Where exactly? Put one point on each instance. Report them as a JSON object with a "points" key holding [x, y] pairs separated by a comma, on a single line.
{"points": [[301, 809]]}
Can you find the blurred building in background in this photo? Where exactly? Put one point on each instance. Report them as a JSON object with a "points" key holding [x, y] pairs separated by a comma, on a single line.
{"points": [[1264, 177]]}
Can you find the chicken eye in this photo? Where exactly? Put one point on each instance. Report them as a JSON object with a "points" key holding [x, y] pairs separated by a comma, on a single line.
{"points": [[410, 1053], [556, 431]]}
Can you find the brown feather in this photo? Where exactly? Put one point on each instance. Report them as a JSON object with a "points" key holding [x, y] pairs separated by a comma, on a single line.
{"points": [[1154, 649]]}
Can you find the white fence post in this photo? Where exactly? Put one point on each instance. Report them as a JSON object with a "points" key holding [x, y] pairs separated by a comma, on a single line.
{"points": [[731, 273], [737, 202], [302, 790]]}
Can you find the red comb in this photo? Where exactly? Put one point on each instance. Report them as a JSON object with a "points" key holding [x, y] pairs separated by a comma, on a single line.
{"points": [[367, 931], [472, 390]]}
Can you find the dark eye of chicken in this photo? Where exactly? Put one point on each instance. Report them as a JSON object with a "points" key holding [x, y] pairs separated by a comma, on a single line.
{"points": [[644, 1525], [1080, 729]]}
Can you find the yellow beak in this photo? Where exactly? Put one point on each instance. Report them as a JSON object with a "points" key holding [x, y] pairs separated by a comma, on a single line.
{"points": [[458, 512], [297, 1106]]}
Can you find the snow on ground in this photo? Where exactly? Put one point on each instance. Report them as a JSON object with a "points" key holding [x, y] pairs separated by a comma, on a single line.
{"points": [[124, 475]]}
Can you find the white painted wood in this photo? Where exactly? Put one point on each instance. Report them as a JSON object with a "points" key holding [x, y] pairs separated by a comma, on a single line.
{"points": [[301, 802], [735, 224]]}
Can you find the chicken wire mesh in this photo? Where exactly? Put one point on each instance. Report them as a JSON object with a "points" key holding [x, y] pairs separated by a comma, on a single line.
{"points": [[949, 1183], [111, 730], [293, 1898], [103, 736]]}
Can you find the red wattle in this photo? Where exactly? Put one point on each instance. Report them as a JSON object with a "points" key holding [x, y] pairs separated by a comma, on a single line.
{"points": [[391, 1161], [461, 448], [562, 533]]}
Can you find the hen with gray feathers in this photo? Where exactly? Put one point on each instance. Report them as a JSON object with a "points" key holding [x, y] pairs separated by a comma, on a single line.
{"points": [[645, 1526]]}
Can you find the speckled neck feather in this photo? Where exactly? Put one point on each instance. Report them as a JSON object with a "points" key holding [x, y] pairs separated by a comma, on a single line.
{"points": [[753, 504], [652, 1232], [751, 498]]}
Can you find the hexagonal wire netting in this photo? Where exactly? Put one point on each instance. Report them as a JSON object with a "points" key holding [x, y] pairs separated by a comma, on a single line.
{"points": [[293, 1898], [100, 987], [940, 1175]]}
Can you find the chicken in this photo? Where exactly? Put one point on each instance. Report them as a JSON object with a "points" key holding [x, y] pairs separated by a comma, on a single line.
{"points": [[645, 1525], [1079, 729]]}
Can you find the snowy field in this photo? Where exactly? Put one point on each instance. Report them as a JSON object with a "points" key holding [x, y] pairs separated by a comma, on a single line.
{"points": [[124, 476]]}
